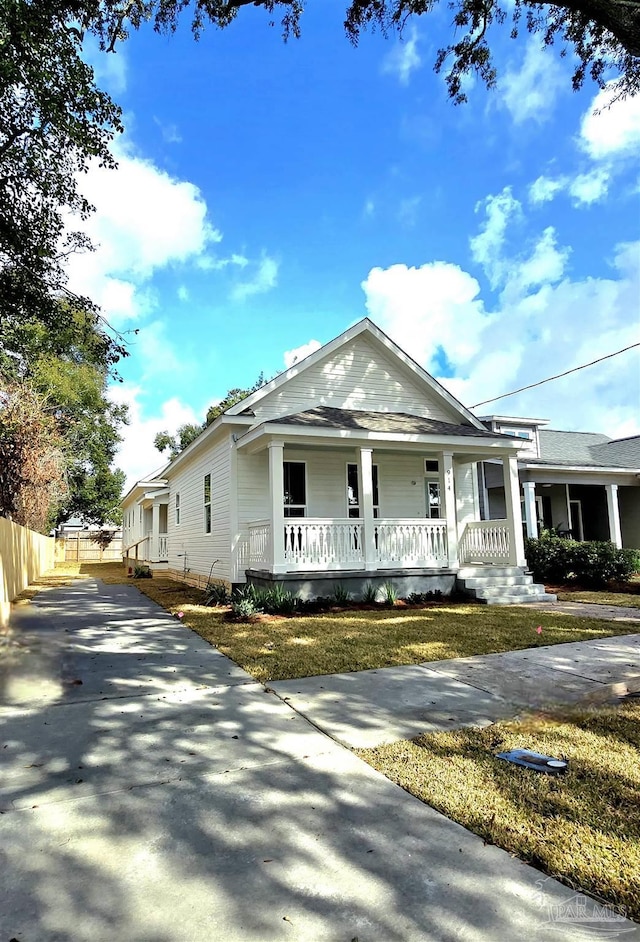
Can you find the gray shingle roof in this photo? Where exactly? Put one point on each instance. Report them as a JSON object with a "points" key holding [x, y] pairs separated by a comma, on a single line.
{"points": [[587, 449], [400, 422]]}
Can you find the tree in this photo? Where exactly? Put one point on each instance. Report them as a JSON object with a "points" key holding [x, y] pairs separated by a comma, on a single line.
{"points": [[233, 397], [32, 464], [178, 442], [53, 122], [604, 34], [66, 368], [188, 433]]}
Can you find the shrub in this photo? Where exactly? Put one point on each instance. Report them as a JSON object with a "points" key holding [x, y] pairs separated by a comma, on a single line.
{"points": [[245, 602], [142, 571], [592, 564], [340, 595], [216, 593], [277, 601], [390, 593], [370, 593]]}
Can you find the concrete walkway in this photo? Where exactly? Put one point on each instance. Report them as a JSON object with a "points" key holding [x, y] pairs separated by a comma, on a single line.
{"points": [[150, 790], [369, 708]]}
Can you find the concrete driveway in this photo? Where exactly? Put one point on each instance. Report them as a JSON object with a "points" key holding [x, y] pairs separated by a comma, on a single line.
{"points": [[151, 790]]}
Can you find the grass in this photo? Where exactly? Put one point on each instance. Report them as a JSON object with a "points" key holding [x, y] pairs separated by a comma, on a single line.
{"points": [[583, 827], [602, 597], [335, 642]]}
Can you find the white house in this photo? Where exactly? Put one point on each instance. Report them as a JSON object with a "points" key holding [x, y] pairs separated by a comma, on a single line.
{"points": [[354, 465], [583, 484]]}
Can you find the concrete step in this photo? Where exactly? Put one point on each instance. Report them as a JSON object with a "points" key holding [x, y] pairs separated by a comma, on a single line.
{"points": [[518, 599], [495, 590], [473, 582], [471, 572]]}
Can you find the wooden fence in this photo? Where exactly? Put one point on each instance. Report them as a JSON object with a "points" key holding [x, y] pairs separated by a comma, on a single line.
{"points": [[24, 555], [91, 547]]}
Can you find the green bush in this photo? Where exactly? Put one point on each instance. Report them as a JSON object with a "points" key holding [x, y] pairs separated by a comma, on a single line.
{"points": [[142, 571], [216, 593], [593, 564], [370, 593]]}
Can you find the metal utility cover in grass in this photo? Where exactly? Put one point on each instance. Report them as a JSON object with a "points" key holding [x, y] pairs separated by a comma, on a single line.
{"points": [[535, 761]]}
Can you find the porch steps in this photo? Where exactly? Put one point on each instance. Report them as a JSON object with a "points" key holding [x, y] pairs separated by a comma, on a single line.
{"points": [[501, 585]]}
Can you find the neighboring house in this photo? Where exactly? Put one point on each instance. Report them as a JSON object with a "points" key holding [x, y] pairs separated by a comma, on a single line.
{"points": [[145, 521], [354, 465], [582, 484]]}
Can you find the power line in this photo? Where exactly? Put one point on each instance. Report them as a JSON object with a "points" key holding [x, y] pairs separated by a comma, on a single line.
{"points": [[557, 376]]}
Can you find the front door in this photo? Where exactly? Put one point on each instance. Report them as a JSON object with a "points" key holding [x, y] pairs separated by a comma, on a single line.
{"points": [[577, 529]]}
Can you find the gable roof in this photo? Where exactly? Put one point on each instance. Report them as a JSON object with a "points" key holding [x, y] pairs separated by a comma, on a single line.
{"points": [[365, 326], [402, 422]]}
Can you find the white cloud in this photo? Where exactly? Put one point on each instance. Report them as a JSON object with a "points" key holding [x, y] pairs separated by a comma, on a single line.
{"points": [[529, 92], [137, 455], [110, 68], [544, 322], [544, 189], [584, 189], [265, 277], [588, 188], [487, 246], [299, 353], [425, 308], [404, 58], [611, 130], [145, 220], [183, 293]]}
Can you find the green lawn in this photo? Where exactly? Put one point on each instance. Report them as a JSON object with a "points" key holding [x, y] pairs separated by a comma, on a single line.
{"points": [[601, 597], [284, 648], [583, 827]]}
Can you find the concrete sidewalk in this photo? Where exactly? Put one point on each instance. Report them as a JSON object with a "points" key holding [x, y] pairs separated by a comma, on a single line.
{"points": [[151, 791], [369, 708]]}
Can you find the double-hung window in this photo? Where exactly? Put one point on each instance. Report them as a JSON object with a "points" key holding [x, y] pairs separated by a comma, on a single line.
{"points": [[207, 503], [353, 491], [177, 510], [295, 488]]}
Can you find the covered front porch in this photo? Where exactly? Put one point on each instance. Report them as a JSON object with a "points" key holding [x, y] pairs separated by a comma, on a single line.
{"points": [[398, 502]]}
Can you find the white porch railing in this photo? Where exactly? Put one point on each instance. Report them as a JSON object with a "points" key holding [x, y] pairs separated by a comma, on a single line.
{"points": [[163, 547], [338, 543], [259, 551], [323, 544], [485, 541], [411, 542]]}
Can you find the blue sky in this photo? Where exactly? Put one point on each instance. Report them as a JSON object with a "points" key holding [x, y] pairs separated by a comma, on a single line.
{"points": [[270, 195]]}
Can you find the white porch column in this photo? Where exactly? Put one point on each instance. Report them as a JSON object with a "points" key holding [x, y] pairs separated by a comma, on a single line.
{"points": [[530, 513], [154, 549], [276, 514], [514, 513], [615, 533], [365, 460], [447, 485]]}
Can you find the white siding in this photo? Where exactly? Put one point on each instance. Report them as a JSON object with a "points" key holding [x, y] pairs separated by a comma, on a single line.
{"points": [[190, 537], [326, 474], [358, 376]]}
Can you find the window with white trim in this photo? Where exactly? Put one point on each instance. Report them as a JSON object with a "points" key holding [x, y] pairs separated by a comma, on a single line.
{"points": [[207, 503], [177, 510], [353, 491], [432, 497], [295, 488]]}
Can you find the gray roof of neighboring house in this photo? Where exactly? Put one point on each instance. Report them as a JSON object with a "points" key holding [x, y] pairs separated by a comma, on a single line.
{"points": [[400, 422], [587, 449]]}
